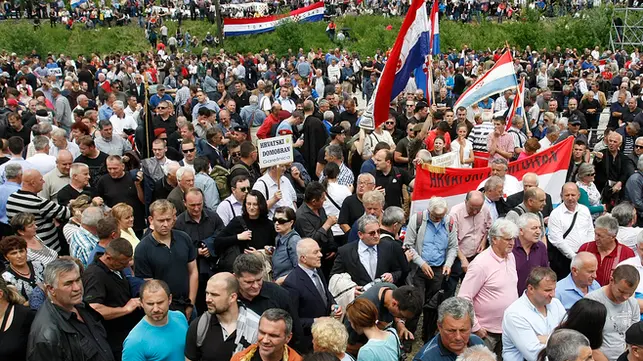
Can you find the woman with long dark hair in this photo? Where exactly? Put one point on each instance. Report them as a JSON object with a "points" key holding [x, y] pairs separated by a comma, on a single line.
{"points": [[588, 317], [15, 322], [252, 230]]}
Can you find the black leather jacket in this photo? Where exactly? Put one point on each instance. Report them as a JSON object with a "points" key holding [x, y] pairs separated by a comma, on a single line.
{"points": [[53, 337]]}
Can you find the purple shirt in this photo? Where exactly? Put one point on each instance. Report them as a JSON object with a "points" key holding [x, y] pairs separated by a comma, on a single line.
{"points": [[525, 263]]}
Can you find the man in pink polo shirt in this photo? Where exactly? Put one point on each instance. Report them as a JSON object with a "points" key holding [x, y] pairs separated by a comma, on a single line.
{"points": [[491, 284]]}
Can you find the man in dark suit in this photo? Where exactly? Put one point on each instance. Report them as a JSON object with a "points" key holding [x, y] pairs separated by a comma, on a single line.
{"points": [[493, 200], [529, 180], [370, 258], [309, 291], [138, 89]]}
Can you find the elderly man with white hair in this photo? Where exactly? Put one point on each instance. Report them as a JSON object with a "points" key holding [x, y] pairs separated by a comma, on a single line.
{"points": [[121, 122], [625, 215], [185, 178], [432, 235], [60, 142], [581, 280], [567, 345], [251, 114], [491, 283]]}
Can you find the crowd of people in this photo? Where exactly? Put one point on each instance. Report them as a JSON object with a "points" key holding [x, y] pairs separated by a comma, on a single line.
{"points": [[138, 225]]}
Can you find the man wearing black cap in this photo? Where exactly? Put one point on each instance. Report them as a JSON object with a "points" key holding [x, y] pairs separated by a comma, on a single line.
{"points": [[573, 130], [634, 341], [337, 137], [239, 133]]}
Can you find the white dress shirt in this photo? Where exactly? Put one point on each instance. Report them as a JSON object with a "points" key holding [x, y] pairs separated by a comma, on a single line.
{"points": [[559, 221], [229, 208], [288, 194], [522, 324], [118, 124], [44, 163], [511, 186], [71, 147]]}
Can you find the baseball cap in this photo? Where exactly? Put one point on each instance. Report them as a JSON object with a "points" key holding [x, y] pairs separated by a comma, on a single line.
{"points": [[160, 87], [634, 334], [12, 103], [336, 129], [574, 121]]}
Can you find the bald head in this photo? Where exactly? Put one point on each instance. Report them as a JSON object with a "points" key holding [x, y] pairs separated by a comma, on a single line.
{"points": [[530, 180], [172, 168], [224, 281], [32, 181], [305, 245], [64, 159], [474, 202]]}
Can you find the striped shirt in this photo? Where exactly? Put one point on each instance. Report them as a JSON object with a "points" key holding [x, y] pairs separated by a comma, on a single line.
{"points": [[45, 212], [479, 134], [81, 245], [608, 264], [44, 255]]}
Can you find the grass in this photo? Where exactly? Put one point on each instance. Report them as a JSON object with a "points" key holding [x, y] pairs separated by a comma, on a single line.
{"points": [[368, 34]]}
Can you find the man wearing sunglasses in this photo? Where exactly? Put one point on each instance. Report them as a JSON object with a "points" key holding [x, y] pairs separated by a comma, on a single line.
{"points": [[189, 153], [232, 205], [164, 118]]}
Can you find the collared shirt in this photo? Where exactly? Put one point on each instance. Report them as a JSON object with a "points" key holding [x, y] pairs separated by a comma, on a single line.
{"points": [[119, 124], [537, 257], [42, 162], [115, 146], [268, 187], [435, 243], [364, 252], [71, 147], [210, 191], [523, 323], [345, 176], [105, 112], [54, 182], [505, 142], [91, 331], [560, 220], [490, 284], [434, 350], [5, 191], [229, 208], [471, 229], [491, 206], [568, 293], [81, 245], [607, 265], [19, 160]]}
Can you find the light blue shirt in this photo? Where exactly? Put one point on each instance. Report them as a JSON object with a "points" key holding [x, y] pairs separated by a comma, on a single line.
{"points": [[522, 324], [157, 343], [105, 112], [436, 241], [381, 350], [364, 256], [6, 190], [491, 205], [568, 293], [210, 191], [25, 167], [210, 104]]}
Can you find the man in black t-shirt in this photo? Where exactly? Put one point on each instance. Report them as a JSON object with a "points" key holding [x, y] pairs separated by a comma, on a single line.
{"points": [[352, 207], [390, 178], [94, 158], [79, 184]]}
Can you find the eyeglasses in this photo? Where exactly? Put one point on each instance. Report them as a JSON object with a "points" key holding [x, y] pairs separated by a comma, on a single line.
{"points": [[244, 189], [374, 233], [189, 150], [410, 105], [280, 220]]}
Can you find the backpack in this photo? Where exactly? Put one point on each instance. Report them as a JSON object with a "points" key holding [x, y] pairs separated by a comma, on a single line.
{"points": [[220, 175], [420, 218]]}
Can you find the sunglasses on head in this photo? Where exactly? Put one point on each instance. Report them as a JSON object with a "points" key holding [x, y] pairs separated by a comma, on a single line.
{"points": [[280, 220], [189, 150]]}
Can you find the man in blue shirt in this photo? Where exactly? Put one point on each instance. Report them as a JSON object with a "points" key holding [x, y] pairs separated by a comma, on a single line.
{"points": [[160, 335], [13, 174], [455, 320], [159, 96], [581, 280]]}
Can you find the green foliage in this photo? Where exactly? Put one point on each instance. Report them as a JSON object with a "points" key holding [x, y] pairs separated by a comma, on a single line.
{"points": [[368, 34]]}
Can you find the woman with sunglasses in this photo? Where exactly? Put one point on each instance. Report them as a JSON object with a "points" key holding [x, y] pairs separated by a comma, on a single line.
{"points": [[589, 194], [284, 258], [251, 231]]}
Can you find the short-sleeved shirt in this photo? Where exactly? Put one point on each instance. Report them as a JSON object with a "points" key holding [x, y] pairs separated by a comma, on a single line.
{"points": [[607, 265], [155, 260], [352, 209], [215, 347], [392, 184], [167, 342], [110, 288]]}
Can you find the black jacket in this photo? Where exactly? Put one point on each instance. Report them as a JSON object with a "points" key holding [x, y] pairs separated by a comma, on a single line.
{"points": [[390, 259], [53, 337]]}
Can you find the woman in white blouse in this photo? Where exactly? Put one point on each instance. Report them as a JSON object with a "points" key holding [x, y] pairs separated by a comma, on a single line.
{"points": [[335, 194], [463, 148]]}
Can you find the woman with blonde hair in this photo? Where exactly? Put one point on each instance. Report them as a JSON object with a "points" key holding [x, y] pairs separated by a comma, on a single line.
{"points": [[124, 215], [330, 335]]}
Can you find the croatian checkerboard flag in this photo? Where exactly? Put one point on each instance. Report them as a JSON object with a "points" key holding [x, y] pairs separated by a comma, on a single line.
{"points": [[409, 52], [500, 77], [422, 80], [518, 105]]}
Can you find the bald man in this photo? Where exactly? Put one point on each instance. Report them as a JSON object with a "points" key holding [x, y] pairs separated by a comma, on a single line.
{"points": [[230, 317], [26, 200], [58, 177], [307, 287], [473, 220], [530, 180], [581, 280]]}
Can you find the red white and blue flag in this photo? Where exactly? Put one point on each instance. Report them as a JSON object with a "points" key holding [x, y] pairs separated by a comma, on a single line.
{"points": [[423, 76], [500, 77], [247, 26], [409, 53], [518, 105]]}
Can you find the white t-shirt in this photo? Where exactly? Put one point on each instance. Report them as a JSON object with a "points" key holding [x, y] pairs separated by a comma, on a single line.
{"points": [[468, 149], [338, 193]]}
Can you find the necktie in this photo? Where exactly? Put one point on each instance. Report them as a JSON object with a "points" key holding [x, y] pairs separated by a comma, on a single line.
{"points": [[372, 262], [319, 286]]}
